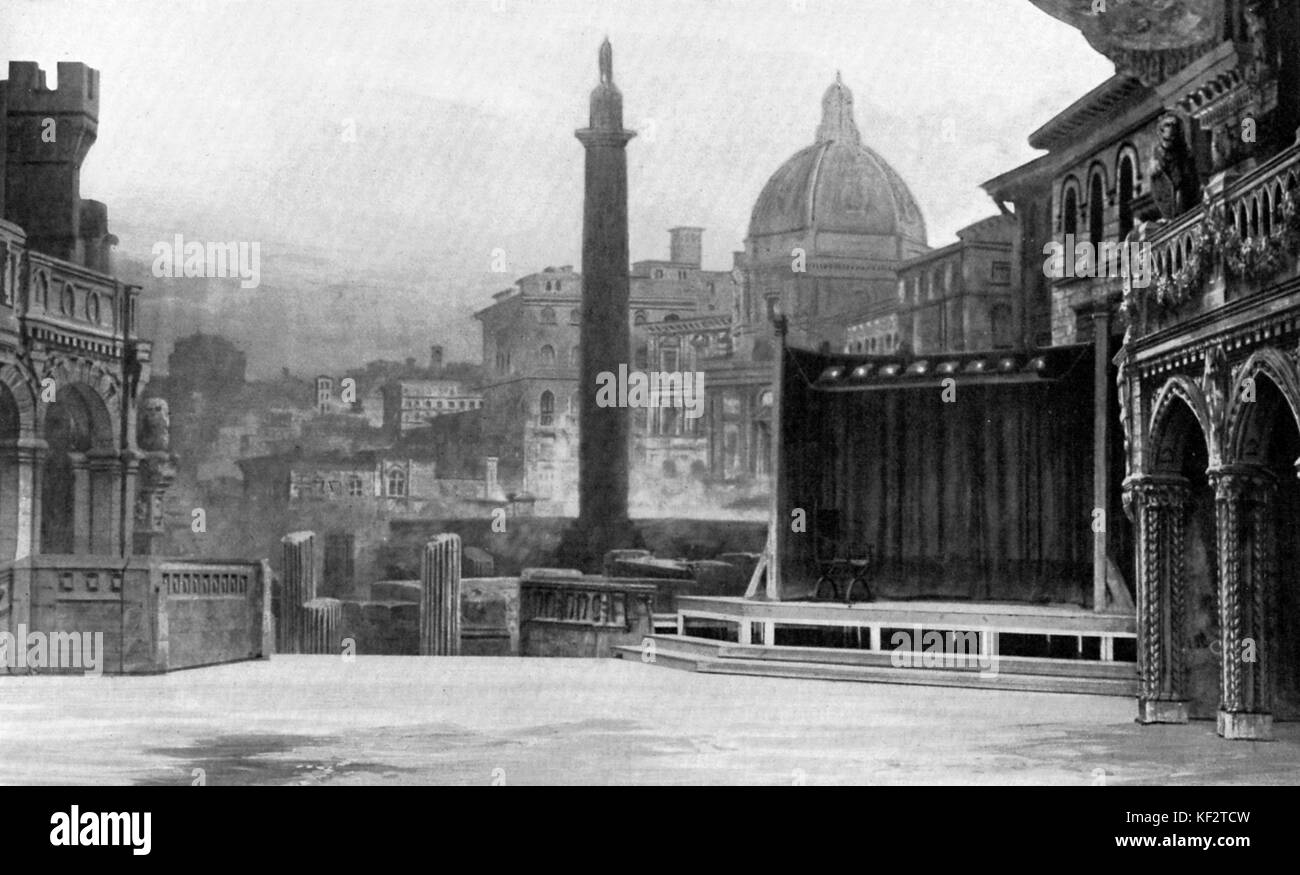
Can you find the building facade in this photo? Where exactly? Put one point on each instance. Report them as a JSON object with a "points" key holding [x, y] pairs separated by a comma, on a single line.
{"points": [[531, 357]]}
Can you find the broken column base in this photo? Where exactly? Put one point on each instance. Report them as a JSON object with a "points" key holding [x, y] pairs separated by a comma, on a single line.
{"points": [[584, 544], [1250, 726], [1161, 711]]}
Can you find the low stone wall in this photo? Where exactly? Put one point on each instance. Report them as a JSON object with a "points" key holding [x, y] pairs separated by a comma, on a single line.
{"points": [[582, 616], [388, 623], [150, 614]]}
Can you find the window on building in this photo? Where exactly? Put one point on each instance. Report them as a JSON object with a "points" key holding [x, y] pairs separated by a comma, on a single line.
{"points": [[575, 316], [396, 482], [639, 317], [548, 285], [548, 356], [548, 316], [1096, 210], [546, 409], [1127, 187], [672, 317], [659, 274], [355, 486], [1070, 212], [558, 285], [575, 356]]}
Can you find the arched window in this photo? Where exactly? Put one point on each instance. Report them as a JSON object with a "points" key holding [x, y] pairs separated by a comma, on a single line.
{"points": [[548, 316], [558, 285], [671, 317], [396, 482], [548, 356], [1070, 213], [575, 356], [1127, 188], [546, 409], [575, 408], [548, 285], [639, 317], [575, 316], [1096, 210]]}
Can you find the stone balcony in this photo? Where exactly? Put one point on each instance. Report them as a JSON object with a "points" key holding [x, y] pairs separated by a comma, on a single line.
{"points": [[1243, 238], [61, 301]]}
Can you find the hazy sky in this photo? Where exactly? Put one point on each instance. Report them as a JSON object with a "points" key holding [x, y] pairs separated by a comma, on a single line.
{"points": [[227, 120]]}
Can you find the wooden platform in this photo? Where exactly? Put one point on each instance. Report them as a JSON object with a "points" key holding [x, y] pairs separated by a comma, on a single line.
{"points": [[1048, 648]]}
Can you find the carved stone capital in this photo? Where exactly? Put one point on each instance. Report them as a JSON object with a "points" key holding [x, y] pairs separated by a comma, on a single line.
{"points": [[1157, 490], [1238, 482]]}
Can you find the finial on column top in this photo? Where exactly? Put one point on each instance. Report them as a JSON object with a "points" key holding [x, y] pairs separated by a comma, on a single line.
{"points": [[606, 61]]}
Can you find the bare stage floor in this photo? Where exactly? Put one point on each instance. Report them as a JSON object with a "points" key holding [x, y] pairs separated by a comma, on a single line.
{"points": [[403, 720]]}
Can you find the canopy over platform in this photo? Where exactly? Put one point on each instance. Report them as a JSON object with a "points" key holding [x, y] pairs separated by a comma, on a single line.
{"points": [[965, 476]]}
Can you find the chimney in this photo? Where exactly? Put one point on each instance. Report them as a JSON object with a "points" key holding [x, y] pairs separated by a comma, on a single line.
{"points": [[435, 357], [685, 247]]}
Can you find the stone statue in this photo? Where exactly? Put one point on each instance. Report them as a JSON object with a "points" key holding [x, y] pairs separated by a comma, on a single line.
{"points": [[1257, 35], [154, 431], [1173, 171]]}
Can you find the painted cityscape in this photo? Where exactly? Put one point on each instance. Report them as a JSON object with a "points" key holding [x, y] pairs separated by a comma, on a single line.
{"points": [[690, 392]]}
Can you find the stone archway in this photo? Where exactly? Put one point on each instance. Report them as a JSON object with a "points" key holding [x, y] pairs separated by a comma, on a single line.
{"points": [[1260, 528], [1176, 559], [79, 482]]}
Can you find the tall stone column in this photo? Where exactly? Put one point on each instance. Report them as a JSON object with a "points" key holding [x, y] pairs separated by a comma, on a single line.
{"points": [[440, 567], [605, 340], [1100, 450], [105, 501], [1160, 506], [81, 542], [1244, 496], [297, 587], [20, 459]]}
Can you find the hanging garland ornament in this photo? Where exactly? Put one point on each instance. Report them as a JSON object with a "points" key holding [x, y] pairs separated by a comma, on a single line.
{"points": [[1251, 258]]}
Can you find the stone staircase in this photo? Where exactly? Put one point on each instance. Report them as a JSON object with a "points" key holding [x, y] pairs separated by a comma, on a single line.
{"points": [[1029, 674]]}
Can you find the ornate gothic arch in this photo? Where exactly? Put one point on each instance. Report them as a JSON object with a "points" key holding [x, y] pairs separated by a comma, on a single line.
{"points": [[1281, 371], [95, 386], [1184, 390], [22, 385]]}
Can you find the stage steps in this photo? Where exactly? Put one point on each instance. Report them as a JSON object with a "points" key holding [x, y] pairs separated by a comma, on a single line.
{"points": [[864, 666]]}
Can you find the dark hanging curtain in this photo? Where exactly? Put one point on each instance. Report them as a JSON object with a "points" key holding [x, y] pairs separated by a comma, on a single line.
{"points": [[986, 498]]}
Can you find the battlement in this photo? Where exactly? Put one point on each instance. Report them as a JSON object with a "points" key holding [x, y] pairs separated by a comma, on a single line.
{"points": [[46, 136], [78, 90]]}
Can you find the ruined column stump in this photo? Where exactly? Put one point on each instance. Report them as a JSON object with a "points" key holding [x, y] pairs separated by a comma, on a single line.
{"points": [[440, 599], [297, 587], [322, 620]]}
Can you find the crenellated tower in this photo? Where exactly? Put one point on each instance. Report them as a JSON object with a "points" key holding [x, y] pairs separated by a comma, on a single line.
{"points": [[47, 134]]}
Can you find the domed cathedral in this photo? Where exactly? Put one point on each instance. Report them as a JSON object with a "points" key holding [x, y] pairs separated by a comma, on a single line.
{"points": [[826, 237]]}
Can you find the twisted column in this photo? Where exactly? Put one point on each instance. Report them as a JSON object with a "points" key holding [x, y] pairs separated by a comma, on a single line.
{"points": [[1159, 504], [1243, 497]]}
